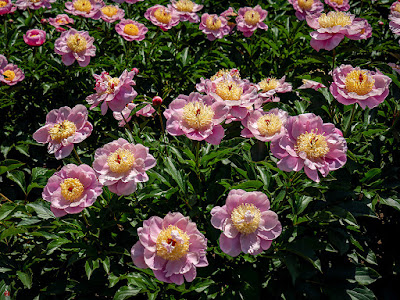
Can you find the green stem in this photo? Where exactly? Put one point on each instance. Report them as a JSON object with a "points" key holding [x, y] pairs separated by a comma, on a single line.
{"points": [[351, 119], [126, 123], [85, 219], [161, 120], [77, 157]]}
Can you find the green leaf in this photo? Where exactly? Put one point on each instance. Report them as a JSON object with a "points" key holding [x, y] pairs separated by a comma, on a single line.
{"points": [[41, 210], [19, 178], [54, 245], [390, 202], [9, 164], [365, 275], [177, 176], [26, 278], [106, 264], [361, 293], [6, 209], [126, 292], [90, 266], [249, 185]]}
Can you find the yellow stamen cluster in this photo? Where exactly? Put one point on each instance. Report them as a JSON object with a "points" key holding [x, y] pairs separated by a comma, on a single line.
{"points": [[251, 17], [197, 115], [305, 4], [35, 1], [83, 5], [213, 23], [246, 218], [121, 160], [109, 10], [359, 81], [340, 2], [112, 83], [184, 5], [3, 3], [397, 7], [62, 21], [172, 243], [131, 29], [62, 130], [162, 16], [312, 144], [334, 18], [9, 75], [269, 124], [224, 72], [229, 90], [269, 84], [77, 43], [71, 189]]}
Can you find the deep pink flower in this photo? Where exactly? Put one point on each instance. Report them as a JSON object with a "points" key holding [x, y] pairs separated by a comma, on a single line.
{"points": [[331, 29], [146, 111], [338, 5], [125, 114], [247, 223], [114, 92], [311, 84], [3, 61], [72, 189], [311, 144], [120, 165], [64, 127], [172, 247], [196, 116], [131, 30], [163, 17], [186, 9], [306, 8], [111, 13], [35, 37], [249, 19], [354, 85], [24, 4], [75, 45], [214, 26], [6, 7], [394, 18], [11, 74], [61, 20], [84, 8]]}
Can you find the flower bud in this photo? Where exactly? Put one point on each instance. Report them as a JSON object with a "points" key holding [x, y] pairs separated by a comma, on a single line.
{"points": [[157, 100]]}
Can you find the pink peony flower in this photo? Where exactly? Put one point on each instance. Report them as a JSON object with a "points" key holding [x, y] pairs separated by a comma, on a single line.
{"points": [[11, 74], [270, 86], [35, 37], [131, 30], [394, 18], [331, 29], [111, 13], [306, 8], [265, 126], [247, 223], [186, 10], [354, 85], [36, 4], [310, 84], [311, 144], [75, 45], [163, 17], [395, 67], [114, 92], [120, 165], [172, 247], [64, 127], [125, 114], [214, 27], [84, 8], [250, 19], [196, 116], [3, 61], [229, 14], [338, 5], [72, 189], [61, 20], [6, 7], [146, 111]]}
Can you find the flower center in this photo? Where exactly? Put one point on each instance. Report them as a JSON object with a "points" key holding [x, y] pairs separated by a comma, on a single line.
{"points": [[112, 83], [229, 90], [131, 29], [83, 5], [62, 130], [340, 2], [121, 160], [71, 189], [269, 124], [76, 42], [9, 75], [246, 218], [62, 21], [213, 23], [313, 144], [3, 3], [268, 84], [334, 18], [35, 1], [359, 82], [109, 10], [251, 17], [172, 243], [197, 115], [397, 7], [185, 5], [305, 4], [162, 16]]}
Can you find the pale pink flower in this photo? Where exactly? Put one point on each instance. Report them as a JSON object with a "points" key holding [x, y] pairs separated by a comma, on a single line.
{"points": [[35, 37], [61, 20], [114, 92], [229, 14], [395, 67], [125, 114], [354, 85], [312, 144], [311, 84], [249, 19], [338, 5], [214, 26], [11, 74], [146, 111], [247, 223], [72, 189], [186, 9], [163, 17], [306, 8], [3, 61], [24, 4], [270, 86], [394, 18], [196, 116], [172, 247], [84, 8], [7, 7], [120, 165], [111, 13], [131, 30]]}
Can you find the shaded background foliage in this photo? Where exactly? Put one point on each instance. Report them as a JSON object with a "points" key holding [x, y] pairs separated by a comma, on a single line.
{"points": [[339, 235]]}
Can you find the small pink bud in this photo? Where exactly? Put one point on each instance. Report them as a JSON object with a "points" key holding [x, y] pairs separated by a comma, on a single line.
{"points": [[136, 70], [157, 100], [380, 23], [44, 21]]}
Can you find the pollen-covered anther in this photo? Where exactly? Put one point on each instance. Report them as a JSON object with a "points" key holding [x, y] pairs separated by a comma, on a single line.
{"points": [[269, 124], [268, 84], [251, 17], [359, 81], [9, 75], [184, 5], [312, 144], [397, 7], [82, 5], [334, 18], [172, 243], [340, 2], [162, 16], [305, 4], [246, 218], [197, 115], [3, 3], [62, 130], [213, 23], [109, 10], [77, 42], [121, 160], [112, 83], [131, 29], [35, 1], [229, 90], [71, 189]]}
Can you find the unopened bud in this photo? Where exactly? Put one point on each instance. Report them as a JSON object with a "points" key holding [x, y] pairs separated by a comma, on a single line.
{"points": [[136, 70], [44, 21], [157, 100]]}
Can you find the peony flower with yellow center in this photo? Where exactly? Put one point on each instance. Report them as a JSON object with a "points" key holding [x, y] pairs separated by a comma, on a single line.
{"points": [[334, 18], [246, 218], [229, 90], [172, 243], [268, 84], [9, 75], [359, 81], [131, 29], [71, 189], [77, 43], [82, 5], [213, 23], [121, 161], [62, 130], [198, 115], [184, 5], [252, 17], [162, 15], [3, 3], [305, 4], [312, 144], [109, 10], [269, 124]]}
